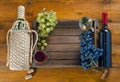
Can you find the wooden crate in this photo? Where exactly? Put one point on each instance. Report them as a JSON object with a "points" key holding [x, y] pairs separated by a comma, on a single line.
{"points": [[63, 46]]}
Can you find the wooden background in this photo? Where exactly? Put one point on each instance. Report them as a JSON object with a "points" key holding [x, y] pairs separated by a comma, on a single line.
{"points": [[66, 10]]}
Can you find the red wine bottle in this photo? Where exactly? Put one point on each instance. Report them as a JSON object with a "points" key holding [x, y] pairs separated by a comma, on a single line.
{"points": [[105, 43]]}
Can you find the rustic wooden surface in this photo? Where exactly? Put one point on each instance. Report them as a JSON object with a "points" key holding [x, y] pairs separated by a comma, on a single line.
{"points": [[66, 10], [61, 74]]}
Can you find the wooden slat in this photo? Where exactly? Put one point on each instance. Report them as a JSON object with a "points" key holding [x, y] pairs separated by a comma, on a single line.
{"points": [[4, 26], [68, 23], [116, 55], [3, 56], [63, 39], [63, 47], [12, 1], [67, 55], [74, 47], [58, 63], [115, 30], [63, 55], [66, 31], [11, 8], [76, 74], [77, 10]]}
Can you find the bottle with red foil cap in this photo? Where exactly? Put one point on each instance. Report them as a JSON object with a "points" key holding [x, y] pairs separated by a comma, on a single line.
{"points": [[105, 43]]}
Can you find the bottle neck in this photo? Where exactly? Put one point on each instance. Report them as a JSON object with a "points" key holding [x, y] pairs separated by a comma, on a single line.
{"points": [[104, 19], [20, 19], [105, 26]]}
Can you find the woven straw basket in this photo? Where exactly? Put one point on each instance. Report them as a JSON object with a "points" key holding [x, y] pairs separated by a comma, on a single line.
{"points": [[20, 48]]}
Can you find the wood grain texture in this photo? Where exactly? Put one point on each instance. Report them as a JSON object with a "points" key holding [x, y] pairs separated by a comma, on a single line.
{"points": [[63, 31], [59, 56], [78, 9], [76, 74], [63, 39], [64, 43], [64, 55], [58, 63], [66, 9], [63, 47]]}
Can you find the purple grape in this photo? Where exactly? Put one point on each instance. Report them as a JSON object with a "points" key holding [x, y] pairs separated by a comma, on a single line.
{"points": [[88, 51]]}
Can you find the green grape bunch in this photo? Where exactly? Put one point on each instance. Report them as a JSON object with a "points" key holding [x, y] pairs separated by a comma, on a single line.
{"points": [[47, 21]]}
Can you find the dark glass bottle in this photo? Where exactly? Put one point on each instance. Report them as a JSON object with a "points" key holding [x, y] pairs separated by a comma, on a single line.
{"points": [[105, 43]]}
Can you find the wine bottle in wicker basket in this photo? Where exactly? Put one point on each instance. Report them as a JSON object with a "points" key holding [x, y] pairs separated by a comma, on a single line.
{"points": [[20, 43]]}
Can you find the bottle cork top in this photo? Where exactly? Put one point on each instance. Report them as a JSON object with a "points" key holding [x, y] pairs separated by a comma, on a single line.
{"points": [[21, 12]]}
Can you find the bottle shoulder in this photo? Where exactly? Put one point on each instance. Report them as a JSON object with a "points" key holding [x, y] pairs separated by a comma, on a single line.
{"points": [[105, 30]]}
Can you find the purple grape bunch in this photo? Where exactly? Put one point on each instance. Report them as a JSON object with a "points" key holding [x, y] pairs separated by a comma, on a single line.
{"points": [[89, 55]]}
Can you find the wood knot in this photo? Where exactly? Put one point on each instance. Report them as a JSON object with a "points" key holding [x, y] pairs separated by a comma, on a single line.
{"points": [[107, 1], [29, 13], [29, 2]]}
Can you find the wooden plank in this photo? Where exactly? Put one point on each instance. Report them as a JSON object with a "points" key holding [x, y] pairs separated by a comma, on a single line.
{"points": [[63, 47], [66, 31], [77, 10], [63, 39], [67, 55], [115, 30], [68, 23], [12, 1], [11, 8], [4, 26], [116, 55], [58, 63], [63, 55], [3, 56], [76, 74]]}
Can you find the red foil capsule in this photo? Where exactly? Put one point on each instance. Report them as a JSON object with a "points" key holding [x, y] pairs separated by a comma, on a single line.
{"points": [[104, 18]]}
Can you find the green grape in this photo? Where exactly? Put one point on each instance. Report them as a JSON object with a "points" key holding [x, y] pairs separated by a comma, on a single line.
{"points": [[48, 17], [42, 48], [48, 30], [47, 24], [45, 12], [47, 21], [52, 24], [54, 14], [42, 20], [45, 44], [38, 19], [46, 35], [42, 28], [40, 14], [39, 28], [39, 44], [51, 28], [43, 41], [50, 20], [42, 34]]}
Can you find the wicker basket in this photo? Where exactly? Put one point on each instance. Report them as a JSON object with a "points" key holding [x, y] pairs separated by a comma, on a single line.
{"points": [[20, 48]]}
